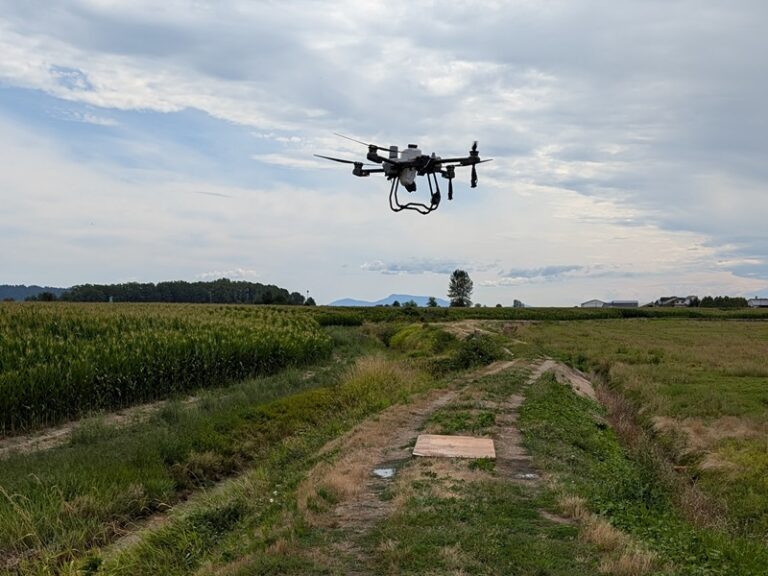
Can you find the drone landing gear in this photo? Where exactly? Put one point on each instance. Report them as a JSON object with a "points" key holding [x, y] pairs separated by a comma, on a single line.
{"points": [[434, 193]]}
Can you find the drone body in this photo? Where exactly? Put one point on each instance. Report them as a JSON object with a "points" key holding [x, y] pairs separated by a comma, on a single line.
{"points": [[402, 168]]}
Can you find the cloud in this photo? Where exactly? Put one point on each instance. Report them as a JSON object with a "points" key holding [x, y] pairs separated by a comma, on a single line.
{"points": [[547, 272], [234, 274], [620, 138], [87, 118], [422, 266]]}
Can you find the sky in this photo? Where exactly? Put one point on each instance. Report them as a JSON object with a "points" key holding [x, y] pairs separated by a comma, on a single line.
{"points": [[145, 141]]}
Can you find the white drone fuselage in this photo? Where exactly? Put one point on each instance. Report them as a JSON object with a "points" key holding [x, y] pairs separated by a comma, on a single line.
{"points": [[408, 175]]}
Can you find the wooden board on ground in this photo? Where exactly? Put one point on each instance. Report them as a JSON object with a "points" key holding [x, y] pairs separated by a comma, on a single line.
{"points": [[437, 445]]}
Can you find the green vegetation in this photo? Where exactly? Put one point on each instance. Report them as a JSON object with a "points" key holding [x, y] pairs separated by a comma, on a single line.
{"points": [[438, 314], [59, 361], [495, 528], [568, 436], [699, 388], [460, 289], [247, 518], [222, 291], [681, 482], [57, 502], [422, 340]]}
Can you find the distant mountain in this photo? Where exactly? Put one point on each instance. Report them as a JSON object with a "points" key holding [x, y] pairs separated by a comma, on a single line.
{"points": [[402, 298], [21, 292]]}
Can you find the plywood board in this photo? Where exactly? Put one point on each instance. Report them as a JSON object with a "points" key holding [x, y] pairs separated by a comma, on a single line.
{"points": [[454, 446]]}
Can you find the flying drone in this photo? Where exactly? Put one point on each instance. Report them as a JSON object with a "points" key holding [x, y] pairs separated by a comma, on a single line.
{"points": [[402, 167]]}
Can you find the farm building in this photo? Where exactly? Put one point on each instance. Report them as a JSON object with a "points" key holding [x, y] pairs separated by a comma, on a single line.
{"points": [[611, 304], [757, 302]]}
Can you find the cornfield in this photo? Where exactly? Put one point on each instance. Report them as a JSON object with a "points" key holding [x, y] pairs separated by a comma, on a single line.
{"points": [[58, 361]]}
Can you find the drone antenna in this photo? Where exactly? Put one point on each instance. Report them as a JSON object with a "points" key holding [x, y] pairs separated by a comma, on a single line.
{"points": [[361, 142]]}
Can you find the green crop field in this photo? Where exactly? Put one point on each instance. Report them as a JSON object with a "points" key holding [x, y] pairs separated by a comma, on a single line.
{"points": [[59, 361]]}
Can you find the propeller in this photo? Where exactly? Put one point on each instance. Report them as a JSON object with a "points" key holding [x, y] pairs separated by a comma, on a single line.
{"points": [[473, 181], [473, 153], [342, 160], [374, 146]]}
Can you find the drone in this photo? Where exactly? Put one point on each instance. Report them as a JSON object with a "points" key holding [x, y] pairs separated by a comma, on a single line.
{"points": [[402, 167]]}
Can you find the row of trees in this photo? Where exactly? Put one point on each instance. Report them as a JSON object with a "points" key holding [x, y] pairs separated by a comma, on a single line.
{"points": [[723, 302], [222, 291]]}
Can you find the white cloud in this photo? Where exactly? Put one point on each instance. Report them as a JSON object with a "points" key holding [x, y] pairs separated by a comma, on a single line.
{"points": [[233, 274]]}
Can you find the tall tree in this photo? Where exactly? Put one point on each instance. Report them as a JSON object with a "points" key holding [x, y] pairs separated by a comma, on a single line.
{"points": [[460, 289]]}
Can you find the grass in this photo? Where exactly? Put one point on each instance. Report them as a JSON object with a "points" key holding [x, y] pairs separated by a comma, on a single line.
{"points": [[569, 438], [244, 524], [495, 528], [698, 388], [462, 418]]}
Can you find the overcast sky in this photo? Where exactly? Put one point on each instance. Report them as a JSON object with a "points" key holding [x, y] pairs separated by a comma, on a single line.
{"points": [[146, 141]]}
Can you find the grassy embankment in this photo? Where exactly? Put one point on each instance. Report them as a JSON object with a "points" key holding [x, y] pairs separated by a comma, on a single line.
{"points": [[699, 390], [619, 495]]}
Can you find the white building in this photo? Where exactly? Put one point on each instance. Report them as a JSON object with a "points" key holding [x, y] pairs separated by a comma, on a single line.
{"points": [[757, 302], [593, 304]]}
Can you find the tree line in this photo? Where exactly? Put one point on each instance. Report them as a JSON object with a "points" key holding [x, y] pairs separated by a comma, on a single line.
{"points": [[222, 291]]}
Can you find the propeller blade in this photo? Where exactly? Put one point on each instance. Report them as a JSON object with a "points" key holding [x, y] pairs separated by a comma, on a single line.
{"points": [[337, 159], [363, 143], [473, 182], [342, 160], [486, 160], [450, 188]]}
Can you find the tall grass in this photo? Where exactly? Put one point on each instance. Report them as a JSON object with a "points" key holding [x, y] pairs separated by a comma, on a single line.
{"points": [[59, 361]]}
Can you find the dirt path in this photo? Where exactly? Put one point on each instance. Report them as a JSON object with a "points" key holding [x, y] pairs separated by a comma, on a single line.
{"points": [[512, 459], [55, 436], [385, 444]]}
